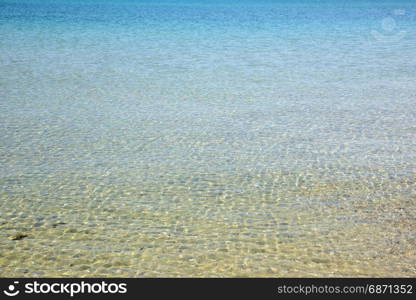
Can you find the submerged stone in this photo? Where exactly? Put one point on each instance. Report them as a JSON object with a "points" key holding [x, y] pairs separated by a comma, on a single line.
{"points": [[19, 236]]}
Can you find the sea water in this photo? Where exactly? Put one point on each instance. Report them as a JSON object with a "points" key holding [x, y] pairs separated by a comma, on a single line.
{"points": [[207, 138]]}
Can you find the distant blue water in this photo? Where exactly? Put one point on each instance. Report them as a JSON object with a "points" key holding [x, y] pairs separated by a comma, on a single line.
{"points": [[230, 112], [232, 38]]}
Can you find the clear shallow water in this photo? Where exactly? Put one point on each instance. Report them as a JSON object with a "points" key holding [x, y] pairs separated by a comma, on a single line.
{"points": [[185, 138]]}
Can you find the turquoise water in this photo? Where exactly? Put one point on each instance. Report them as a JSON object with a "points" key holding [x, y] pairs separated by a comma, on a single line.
{"points": [[207, 138]]}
